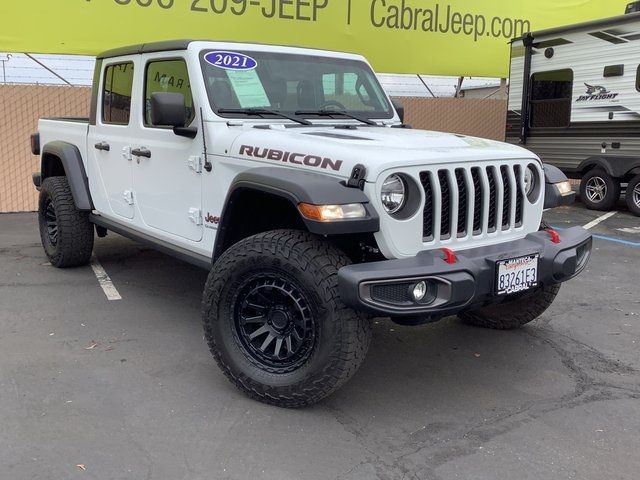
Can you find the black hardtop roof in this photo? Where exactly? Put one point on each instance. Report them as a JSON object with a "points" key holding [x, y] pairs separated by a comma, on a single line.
{"points": [[603, 22], [146, 48], [183, 44]]}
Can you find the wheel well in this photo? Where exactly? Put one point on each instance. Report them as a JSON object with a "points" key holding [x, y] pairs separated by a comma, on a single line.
{"points": [[250, 212], [52, 166]]}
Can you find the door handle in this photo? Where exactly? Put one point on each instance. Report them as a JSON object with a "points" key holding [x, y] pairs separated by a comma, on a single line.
{"points": [[141, 152], [103, 146]]}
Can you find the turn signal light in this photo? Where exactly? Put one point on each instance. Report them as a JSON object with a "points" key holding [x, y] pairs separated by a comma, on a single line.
{"points": [[332, 213]]}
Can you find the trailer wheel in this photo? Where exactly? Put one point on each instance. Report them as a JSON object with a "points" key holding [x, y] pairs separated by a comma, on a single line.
{"points": [[633, 195], [599, 190]]}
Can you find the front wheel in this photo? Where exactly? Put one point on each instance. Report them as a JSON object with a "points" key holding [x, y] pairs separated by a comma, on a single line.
{"points": [[511, 314], [274, 321], [633, 195]]}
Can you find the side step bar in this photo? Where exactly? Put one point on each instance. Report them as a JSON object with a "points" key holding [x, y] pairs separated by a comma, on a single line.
{"points": [[180, 253]]}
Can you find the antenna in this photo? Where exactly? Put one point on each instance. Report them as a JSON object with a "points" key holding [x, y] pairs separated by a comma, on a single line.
{"points": [[207, 164]]}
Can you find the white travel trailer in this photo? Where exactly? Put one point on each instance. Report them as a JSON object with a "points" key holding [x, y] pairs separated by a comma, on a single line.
{"points": [[575, 101]]}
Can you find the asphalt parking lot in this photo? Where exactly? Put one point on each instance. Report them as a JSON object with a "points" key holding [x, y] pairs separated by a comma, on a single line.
{"points": [[126, 389]]}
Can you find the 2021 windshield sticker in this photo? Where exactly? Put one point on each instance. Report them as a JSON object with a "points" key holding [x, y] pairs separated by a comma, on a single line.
{"points": [[230, 60]]}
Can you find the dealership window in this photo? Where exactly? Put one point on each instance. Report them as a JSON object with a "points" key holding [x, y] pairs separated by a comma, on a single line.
{"points": [[116, 94], [168, 76], [551, 98]]}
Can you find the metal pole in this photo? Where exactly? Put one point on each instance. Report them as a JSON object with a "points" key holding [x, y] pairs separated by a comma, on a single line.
{"points": [[49, 70], [427, 86], [6, 58]]}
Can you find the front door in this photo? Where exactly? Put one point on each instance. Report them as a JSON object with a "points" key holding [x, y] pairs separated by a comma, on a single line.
{"points": [[168, 180], [109, 142]]}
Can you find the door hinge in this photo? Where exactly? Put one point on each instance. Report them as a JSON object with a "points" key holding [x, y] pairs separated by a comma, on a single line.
{"points": [[195, 215], [195, 164], [128, 197]]}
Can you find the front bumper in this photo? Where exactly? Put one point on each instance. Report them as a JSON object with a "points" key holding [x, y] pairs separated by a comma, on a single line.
{"points": [[382, 288]]}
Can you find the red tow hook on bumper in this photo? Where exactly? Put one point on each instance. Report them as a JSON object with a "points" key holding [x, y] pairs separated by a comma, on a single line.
{"points": [[555, 236], [449, 256]]}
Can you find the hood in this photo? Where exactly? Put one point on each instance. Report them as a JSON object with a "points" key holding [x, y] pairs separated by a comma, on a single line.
{"points": [[336, 150]]}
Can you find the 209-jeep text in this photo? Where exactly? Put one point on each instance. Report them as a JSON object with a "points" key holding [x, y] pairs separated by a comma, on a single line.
{"points": [[290, 175]]}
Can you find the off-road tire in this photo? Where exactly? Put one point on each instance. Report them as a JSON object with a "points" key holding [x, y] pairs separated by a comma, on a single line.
{"points": [[633, 195], [514, 313], [311, 264], [73, 243], [611, 185]]}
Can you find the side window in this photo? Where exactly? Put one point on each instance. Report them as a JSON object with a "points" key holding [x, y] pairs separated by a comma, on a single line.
{"points": [[551, 98], [116, 93], [168, 76]]}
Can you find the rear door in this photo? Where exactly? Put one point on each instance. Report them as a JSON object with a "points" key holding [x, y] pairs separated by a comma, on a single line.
{"points": [[110, 139], [168, 183]]}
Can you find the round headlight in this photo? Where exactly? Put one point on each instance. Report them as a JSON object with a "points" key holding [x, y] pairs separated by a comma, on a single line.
{"points": [[529, 180], [394, 194]]}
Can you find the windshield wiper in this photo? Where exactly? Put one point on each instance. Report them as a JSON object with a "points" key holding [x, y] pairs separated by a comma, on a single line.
{"points": [[330, 113], [264, 111]]}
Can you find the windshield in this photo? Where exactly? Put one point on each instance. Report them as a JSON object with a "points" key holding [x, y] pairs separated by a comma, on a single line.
{"points": [[241, 80]]}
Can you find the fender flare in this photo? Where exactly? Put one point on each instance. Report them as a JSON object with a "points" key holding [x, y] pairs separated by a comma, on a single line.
{"points": [[74, 169], [300, 187], [617, 167], [552, 196]]}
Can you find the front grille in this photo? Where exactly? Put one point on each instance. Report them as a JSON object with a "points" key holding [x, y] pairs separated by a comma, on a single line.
{"points": [[455, 201]]}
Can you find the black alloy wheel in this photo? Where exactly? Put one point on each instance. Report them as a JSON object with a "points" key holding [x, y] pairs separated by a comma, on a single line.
{"points": [[51, 222], [274, 322]]}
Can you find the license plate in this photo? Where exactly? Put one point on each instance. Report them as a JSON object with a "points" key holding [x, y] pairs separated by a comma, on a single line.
{"points": [[517, 274]]}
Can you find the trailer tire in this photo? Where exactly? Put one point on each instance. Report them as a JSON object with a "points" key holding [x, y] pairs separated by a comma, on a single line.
{"points": [[633, 195], [274, 321], [65, 231], [599, 190]]}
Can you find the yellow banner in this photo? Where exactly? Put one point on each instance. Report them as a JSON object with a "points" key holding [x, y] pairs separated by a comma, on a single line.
{"points": [[454, 37]]}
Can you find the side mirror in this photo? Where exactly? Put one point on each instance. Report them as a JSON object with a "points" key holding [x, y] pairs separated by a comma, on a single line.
{"points": [[399, 108], [168, 109]]}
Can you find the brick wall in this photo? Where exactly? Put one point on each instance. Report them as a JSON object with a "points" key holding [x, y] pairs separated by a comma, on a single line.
{"points": [[22, 105]]}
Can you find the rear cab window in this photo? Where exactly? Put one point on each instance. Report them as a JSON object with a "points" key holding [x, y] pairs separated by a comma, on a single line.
{"points": [[116, 93]]}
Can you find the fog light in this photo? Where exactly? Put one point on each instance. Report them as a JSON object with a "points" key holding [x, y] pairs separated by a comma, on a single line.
{"points": [[419, 291]]}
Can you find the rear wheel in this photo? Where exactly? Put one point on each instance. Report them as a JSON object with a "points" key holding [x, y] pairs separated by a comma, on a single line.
{"points": [[66, 232], [633, 195], [274, 321], [599, 190]]}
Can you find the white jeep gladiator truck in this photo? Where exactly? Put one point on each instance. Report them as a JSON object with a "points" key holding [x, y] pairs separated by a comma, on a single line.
{"points": [[291, 176]]}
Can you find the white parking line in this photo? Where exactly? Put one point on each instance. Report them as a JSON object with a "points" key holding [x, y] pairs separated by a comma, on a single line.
{"points": [[103, 279], [598, 220]]}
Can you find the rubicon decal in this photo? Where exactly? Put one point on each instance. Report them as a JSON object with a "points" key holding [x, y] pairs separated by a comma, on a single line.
{"points": [[596, 92], [289, 157]]}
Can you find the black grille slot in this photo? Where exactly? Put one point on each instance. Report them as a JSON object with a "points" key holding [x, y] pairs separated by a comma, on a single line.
{"points": [[506, 198], [519, 196], [463, 202], [493, 199], [477, 205], [427, 213], [445, 222], [394, 293]]}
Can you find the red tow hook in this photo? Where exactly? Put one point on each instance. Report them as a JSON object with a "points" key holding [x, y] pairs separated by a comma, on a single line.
{"points": [[555, 236], [450, 256]]}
